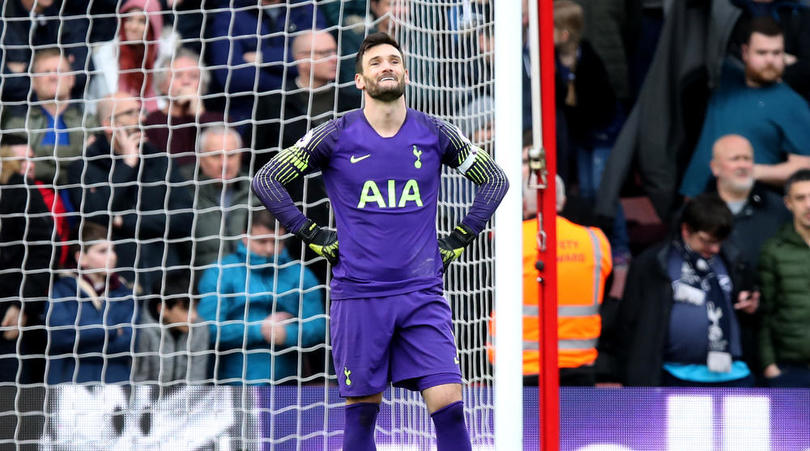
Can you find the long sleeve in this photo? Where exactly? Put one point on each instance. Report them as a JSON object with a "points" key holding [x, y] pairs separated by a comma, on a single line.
{"points": [[146, 354], [67, 320], [181, 204], [311, 320], [122, 317], [476, 165], [198, 339], [92, 197], [61, 322], [288, 165], [214, 304], [767, 264]]}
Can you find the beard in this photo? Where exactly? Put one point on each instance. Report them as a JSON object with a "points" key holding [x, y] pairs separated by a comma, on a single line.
{"points": [[765, 76], [739, 186], [384, 94]]}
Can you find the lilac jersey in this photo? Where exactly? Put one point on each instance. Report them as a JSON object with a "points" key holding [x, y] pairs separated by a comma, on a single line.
{"points": [[384, 195]]}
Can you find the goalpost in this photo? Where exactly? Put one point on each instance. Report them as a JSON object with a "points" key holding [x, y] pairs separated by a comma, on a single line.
{"points": [[454, 49]]}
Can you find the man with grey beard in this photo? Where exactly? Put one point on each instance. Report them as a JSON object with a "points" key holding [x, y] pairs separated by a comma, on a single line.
{"points": [[758, 212], [758, 105]]}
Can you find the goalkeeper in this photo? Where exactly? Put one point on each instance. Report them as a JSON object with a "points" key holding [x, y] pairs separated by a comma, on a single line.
{"points": [[382, 168]]}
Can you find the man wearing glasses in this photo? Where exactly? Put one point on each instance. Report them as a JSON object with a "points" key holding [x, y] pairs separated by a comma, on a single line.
{"points": [[127, 185], [308, 100], [678, 320]]}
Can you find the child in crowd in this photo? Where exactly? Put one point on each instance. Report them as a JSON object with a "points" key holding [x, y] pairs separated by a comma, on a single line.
{"points": [[172, 344], [90, 315]]}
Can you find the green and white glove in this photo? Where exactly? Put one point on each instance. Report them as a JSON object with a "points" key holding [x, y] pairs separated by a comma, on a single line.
{"points": [[452, 246], [323, 241]]}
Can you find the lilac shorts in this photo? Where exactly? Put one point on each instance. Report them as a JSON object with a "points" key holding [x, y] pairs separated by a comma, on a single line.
{"points": [[405, 339]]}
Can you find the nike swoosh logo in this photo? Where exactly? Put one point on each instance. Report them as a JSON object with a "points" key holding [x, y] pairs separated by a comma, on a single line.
{"points": [[354, 159]]}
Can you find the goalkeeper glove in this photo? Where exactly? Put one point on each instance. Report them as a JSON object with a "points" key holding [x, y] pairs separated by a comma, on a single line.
{"points": [[451, 246], [324, 242]]}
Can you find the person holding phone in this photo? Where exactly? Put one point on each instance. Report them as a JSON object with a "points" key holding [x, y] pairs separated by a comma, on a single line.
{"points": [[127, 185]]}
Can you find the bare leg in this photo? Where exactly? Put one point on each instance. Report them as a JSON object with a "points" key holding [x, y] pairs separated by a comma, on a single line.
{"points": [[441, 396]]}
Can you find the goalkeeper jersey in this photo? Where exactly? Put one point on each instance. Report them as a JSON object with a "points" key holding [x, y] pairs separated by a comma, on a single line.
{"points": [[383, 192]]}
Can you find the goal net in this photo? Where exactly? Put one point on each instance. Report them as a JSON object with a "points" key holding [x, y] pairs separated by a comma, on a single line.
{"points": [[209, 329]]}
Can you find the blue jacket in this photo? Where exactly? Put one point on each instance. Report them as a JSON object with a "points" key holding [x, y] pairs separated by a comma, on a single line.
{"points": [[99, 349], [239, 293], [233, 33]]}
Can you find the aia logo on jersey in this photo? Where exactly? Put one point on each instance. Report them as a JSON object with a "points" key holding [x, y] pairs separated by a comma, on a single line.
{"points": [[392, 197]]}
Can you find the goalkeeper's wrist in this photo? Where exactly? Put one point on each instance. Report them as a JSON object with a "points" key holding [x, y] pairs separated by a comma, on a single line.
{"points": [[308, 231], [463, 235]]}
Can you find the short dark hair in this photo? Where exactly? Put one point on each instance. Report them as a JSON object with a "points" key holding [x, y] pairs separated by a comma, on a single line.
{"points": [[174, 289], [84, 233], [708, 213], [13, 139], [802, 175], [263, 218], [766, 25], [373, 40]]}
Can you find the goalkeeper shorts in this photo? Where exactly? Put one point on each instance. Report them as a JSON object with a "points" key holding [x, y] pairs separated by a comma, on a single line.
{"points": [[404, 339]]}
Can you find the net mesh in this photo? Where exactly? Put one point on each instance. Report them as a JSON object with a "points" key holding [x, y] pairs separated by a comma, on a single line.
{"points": [[218, 92]]}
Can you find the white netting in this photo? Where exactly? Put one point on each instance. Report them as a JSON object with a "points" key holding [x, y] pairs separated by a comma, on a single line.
{"points": [[176, 203]]}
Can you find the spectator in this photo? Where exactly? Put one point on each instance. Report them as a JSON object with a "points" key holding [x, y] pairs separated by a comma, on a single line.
{"points": [[56, 127], [19, 147], [590, 103], [223, 196], [758, 213], [612, 28], [126, 64], [307, 100], [663, 127], [760, 107], [261, 306], [90, 316], [127, 185], [172, 343], [479, 123], [32, 24], [785, 337], [25, 259], [677, 324], [583, 254], [794, 17], [591, 113], [174, 128], [244, 65]]}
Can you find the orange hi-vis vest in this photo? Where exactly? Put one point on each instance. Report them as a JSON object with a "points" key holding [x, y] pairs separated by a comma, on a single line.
{"points": [[583, 265]]}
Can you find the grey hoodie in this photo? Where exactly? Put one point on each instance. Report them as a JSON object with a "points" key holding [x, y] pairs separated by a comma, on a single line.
{"points": [[164, 356]]}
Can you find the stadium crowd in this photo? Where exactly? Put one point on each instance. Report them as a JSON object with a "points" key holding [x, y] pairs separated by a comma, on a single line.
{"points": [[131, 247]]}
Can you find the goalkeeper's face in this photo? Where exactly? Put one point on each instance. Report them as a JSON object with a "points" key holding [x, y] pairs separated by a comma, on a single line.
{"points": [[384, 75]]}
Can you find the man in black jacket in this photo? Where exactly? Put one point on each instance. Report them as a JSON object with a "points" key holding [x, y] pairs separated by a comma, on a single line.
{"points": [[307, 100], [677, 322], [758, 212], [127, 185]]}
